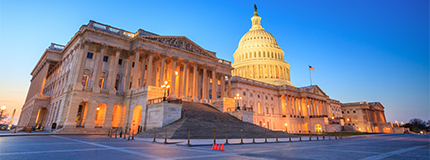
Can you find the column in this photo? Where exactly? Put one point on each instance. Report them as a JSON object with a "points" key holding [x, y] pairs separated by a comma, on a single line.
{"points": [[128, 73], [80, 73], [134, 82], [270, 71], [222, 86], [204, 86], [195, 83], [112, 75], [149, 70], [307, 107], [142, 71], [229, 87], [163, 61], [258, 71], [98, 63], [173, 82], [184, 80], [214, 84]]}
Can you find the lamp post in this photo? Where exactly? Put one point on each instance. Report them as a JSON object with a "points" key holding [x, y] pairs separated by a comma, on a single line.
{"points": [[2, 109], [238, 98], [166, 86]]}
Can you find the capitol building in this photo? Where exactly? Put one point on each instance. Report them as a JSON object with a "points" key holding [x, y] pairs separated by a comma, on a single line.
{"points": [[106, 77]]}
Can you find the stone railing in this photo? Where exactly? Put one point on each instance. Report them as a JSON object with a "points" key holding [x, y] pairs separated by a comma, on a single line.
{"points": [[224, 62], [105, 91], [254, 82], [87, 89], [56, 47], [110, 29], [146, 89]]}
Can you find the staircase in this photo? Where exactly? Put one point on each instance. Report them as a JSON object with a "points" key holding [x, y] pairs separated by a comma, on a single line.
{"points": [[201, 120]]}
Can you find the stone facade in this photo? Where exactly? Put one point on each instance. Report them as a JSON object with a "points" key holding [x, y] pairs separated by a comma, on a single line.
{"points": [[366, 117], [104, 77]]}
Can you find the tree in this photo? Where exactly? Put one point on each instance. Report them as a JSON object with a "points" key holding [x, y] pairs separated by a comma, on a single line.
{"points": [[411, 127], [419, 124]]}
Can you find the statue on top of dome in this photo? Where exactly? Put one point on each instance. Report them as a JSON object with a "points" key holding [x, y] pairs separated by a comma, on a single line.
{"points": [[255, 7]]}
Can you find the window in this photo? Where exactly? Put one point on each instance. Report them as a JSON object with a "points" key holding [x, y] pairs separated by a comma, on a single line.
{"points": [[258, 96], [244, 93], [250, 94], [259, 107], [353, 111], [101, 82], [271, 98], [85, 80], [266, 97], [342, 112], [132, 65], [120, 61], [267, 110], [90, 55], [273, 110], [105, 59], [347, 111]]}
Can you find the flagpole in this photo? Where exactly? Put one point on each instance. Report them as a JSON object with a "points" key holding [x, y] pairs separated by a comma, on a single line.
{"points": [[310, 77]]}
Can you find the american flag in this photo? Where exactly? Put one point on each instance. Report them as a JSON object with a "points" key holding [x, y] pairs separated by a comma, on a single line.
{"points": [[311, 68]]}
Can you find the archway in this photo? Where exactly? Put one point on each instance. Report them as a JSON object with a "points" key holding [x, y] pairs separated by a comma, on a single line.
{"points": [[100, 115], [82, 112], [387, 130], [41, 115], [116, 116], [137, 117], [318, 128]]}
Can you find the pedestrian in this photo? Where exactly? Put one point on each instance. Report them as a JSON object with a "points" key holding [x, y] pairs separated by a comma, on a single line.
{"points": [[120, 134]]}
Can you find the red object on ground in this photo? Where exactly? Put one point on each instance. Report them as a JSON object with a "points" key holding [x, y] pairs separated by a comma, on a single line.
{"points": [[214, 146], [222, 149]]}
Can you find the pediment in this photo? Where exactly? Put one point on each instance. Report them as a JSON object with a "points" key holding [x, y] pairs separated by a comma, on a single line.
{"points": [[316, 90], [182, 43]]}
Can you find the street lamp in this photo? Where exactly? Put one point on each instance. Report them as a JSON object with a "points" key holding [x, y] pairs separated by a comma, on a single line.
{"points": [[238, 98], [166, 86], [2, 109]]}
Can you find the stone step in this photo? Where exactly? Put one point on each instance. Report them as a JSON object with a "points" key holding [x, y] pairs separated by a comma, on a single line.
{"points": [[202, 119]]}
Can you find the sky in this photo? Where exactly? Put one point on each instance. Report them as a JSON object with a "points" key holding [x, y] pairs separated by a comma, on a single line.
{"points": [[361, 50]]}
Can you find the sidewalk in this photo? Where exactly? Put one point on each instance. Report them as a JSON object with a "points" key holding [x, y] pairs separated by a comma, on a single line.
{"points": [[38, 133], [235, 141]]}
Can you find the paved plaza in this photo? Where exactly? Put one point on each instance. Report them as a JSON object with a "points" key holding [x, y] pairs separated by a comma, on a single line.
{"points": [[102, 147]]}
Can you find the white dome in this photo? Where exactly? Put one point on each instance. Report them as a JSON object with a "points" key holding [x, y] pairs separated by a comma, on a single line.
{"points": [[259, 57]]}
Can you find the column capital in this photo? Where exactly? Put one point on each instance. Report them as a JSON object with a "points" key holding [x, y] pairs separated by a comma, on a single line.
{"points": [[174, 58], [184, 61]]}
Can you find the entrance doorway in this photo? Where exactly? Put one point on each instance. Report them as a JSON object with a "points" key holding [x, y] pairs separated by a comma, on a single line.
{"points": [[318, 128], [137, 117]]}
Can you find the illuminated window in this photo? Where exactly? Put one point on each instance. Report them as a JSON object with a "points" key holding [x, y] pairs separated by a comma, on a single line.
{"points": [[259, 107], [105, 59], [85, 80], [101, 82], [90, 55]]}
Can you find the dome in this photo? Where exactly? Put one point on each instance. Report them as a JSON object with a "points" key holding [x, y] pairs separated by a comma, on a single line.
{"points": [[259, 57]]}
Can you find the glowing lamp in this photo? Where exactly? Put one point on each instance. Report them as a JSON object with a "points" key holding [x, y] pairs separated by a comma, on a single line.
{"points": [[332, 117], [176, 72], [3, 107], [165, 82], [98, 108], [286, 124], [168, 86]]}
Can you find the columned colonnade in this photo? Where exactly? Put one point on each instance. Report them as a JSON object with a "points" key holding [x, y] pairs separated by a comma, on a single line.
{"points": [[262, 71], [293, 105], [189, 80]]}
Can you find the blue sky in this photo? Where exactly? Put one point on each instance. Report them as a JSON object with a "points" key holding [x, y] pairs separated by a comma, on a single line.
{"points": [[361, 50]]}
